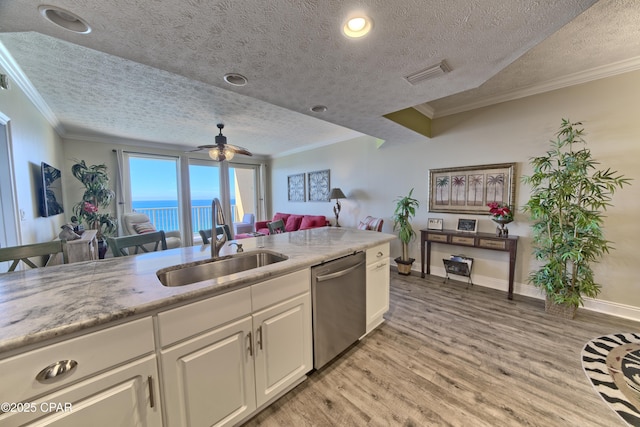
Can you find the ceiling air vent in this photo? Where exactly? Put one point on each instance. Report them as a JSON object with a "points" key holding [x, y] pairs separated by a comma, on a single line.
{"points": [[427, 73]]}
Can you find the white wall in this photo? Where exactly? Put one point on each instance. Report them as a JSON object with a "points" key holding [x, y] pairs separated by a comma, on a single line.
{"points": [[33, 141], [509, 132]]}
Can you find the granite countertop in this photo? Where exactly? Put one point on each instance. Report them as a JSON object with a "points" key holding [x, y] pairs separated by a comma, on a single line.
{"points": [[40, 304]]}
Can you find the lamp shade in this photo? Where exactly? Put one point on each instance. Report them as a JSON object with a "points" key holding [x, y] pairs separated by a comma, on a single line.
{"points": [[337, 193]]}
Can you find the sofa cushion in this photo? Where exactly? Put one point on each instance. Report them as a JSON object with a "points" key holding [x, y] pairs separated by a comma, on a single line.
{"points": [[144, 227], [312, 221], [293, 222], [282, 216]]}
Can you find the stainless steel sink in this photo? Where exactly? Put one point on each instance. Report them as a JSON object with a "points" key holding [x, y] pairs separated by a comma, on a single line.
{"points": [[185, 274]]}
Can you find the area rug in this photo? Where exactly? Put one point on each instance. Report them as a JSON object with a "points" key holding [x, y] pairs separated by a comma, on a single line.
{"points": [[612, 363]]}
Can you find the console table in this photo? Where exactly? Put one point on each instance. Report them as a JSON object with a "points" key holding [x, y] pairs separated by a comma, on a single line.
{"points": [[475, 240], [83, 249]]}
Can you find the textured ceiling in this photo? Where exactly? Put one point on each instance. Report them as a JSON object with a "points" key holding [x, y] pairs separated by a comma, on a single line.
{"points": [[152, 71]]}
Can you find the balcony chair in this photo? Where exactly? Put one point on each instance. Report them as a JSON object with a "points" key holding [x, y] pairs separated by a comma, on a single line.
{"points": [[206, 234], [23, 253], [276, 227], [371, 223], [135, 223], [140, 243], [247, 224]]}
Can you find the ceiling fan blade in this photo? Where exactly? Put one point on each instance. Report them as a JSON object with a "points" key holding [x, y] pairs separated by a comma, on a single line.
{"points": [[239, 150]]}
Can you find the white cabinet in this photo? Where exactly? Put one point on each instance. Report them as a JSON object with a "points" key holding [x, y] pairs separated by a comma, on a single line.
{"points": [[209, 380], [99, 391], [283, 352], [377, 285], [238, 351]]}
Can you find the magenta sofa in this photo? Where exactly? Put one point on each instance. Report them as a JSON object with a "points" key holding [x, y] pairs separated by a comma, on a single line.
{"points": [[293, 222]]}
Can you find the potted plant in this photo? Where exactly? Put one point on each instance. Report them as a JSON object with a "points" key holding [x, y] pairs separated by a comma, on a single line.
{"points": [[405, 210], [568, 198], [97, 195]]}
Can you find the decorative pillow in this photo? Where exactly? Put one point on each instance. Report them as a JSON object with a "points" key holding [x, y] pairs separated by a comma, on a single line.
{"points": [[144, 227], [312, 221], [370, 223], [293, 222], [282, 216]]}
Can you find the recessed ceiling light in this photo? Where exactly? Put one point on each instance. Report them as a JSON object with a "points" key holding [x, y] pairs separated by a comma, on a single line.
{"points": [[235, 79], [65, 19], [357, 26], [318, 108]]}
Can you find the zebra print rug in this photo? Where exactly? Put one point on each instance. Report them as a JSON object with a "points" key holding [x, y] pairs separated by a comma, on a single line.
{"points": [[612, 363]]}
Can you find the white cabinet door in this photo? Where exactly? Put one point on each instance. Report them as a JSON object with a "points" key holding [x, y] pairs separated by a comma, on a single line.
{"points": [[377, 292], [127, 396], [283, 346], [209, 380]]}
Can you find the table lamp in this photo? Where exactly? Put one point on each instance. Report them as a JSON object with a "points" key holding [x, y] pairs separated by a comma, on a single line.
{"points": [[337, 194]]}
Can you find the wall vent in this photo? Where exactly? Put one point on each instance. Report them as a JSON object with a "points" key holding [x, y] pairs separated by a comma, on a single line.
{"points": [[428, 73]]}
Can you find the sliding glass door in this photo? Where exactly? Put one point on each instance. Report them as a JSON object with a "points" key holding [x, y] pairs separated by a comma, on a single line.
{"points": [[204, 186], [154, 189]]}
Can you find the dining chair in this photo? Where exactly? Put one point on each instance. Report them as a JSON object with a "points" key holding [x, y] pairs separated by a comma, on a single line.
{"points": [[24, 252], [141, 243], [206, 234], [276, 227]]}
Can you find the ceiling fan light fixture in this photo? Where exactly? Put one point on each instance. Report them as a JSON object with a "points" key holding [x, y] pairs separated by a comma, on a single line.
{"points": [[357, 26], [65, 19], [235, 79]]}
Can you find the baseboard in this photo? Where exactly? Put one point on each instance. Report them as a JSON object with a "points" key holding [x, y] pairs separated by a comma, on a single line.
{"points": [[597, 305]]}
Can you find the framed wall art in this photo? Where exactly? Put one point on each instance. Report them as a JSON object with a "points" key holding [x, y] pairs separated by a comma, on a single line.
{"points": [[469, 189], [318, 186], [296, 188]]}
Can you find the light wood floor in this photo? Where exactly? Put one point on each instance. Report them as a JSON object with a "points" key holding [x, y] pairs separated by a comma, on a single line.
{"points": [[448, 355]]}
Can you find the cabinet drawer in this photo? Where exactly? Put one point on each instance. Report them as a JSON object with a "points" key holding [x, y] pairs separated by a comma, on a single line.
{"points": [[459, 240], [279, 289], [492, 244], [186, 321], [437, 237], [378, 253], [93, 353]]}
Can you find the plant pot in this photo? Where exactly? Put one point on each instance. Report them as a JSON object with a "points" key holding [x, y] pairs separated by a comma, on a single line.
{"points": [[102, 248], [566, 311], [404, 266]]}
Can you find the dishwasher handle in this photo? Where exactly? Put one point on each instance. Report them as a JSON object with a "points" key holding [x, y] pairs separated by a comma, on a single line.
{"points": [[339, 273]]}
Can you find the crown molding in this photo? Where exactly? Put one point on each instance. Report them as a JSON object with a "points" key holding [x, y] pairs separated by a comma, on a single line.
{"points": [[611, 70], [18, 77], [425, 109]]}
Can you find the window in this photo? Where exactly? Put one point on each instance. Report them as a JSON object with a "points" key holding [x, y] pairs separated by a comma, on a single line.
{"points": [[154, 189]]}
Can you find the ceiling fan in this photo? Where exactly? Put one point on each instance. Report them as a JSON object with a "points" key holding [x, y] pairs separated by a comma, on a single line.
{"points": [[221, 150]]}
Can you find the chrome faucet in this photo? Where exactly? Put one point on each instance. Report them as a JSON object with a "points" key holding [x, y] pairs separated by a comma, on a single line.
{"points": [[217, 219]]}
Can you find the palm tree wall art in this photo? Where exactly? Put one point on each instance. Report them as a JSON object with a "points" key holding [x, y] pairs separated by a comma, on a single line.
{"points": [[469, 189]]}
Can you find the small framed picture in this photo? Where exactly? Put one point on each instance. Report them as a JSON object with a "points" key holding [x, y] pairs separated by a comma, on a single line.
{"points": [[467, 225], [434, 224]]}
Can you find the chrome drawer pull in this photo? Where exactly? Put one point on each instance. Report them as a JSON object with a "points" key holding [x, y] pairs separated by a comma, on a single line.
{"points": [[55, 370]]}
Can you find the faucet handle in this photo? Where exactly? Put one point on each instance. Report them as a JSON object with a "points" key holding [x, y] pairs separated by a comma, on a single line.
{"points": [[239, 245]]}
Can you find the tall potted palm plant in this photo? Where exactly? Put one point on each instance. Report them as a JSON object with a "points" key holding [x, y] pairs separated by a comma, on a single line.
{"points": [[405, 210], [97, 195], [569, 196]]}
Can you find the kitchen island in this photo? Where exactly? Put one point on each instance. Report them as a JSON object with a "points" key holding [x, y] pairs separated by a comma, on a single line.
{"points": [[118, 315]]}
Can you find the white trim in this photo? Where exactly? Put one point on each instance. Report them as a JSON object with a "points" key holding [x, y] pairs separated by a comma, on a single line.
{"points": [[597, 305], [10, 213], [580, 77], [22, 81]]}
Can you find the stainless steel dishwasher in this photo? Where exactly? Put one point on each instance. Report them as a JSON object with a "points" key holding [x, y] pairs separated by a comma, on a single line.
{"points": [[339, 306]]}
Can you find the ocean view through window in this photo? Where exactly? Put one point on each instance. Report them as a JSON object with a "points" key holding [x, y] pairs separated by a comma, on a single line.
{"points": [[164, 213]]}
